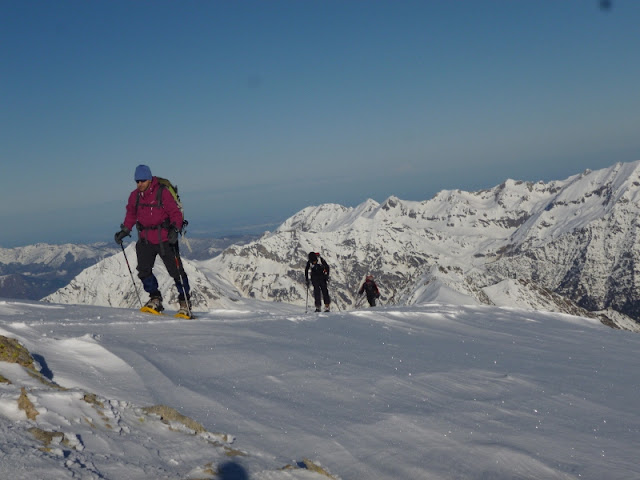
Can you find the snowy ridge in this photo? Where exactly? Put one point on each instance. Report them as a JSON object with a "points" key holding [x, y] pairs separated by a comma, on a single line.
{"points": [[584, 244], [265, 392], [584, 199]]}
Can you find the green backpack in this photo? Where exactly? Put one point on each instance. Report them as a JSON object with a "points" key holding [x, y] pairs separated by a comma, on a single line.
{"points": [[173, 189]]}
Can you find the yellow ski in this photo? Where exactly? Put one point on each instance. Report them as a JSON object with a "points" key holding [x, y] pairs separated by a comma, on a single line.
{"points": [[155, 312], [150, 310]]}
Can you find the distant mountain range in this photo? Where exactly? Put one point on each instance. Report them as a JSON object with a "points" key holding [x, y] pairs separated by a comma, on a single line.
{"points": [[568, 246], [35, 271]]}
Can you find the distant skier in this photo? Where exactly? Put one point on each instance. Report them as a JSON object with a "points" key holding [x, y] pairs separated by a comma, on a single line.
{"points": [[158, 218], [319, 278], [371, 288]]}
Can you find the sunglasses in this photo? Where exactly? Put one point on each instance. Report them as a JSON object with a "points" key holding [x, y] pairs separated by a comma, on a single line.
{"points": [[141, 181]]}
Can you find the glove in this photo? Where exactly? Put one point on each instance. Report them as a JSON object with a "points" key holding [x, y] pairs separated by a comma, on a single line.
{"points": [[172, 236], [307, 283], [119, 236]]}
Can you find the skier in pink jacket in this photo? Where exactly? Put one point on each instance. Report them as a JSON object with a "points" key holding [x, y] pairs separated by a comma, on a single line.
{"points": [[158, 218]]}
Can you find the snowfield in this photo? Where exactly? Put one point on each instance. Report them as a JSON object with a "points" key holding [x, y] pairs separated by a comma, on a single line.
{"points": [[266, 392]]}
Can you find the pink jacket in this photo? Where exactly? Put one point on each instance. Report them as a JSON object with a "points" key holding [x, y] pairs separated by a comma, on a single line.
{"points": [[149, 215]]}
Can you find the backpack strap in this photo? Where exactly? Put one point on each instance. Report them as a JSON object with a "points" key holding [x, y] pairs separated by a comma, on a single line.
{"points": [[159, 196], [158, 199]]}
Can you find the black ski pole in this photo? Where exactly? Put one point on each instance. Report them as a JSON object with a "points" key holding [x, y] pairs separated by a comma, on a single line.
{"points": [[131, 273], [337, 304], [306, 303], [183, 277]]}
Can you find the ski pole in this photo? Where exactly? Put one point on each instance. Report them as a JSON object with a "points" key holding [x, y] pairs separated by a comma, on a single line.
{"points": [[183, 276], [337, 305], [131, 273], [306, 303]]}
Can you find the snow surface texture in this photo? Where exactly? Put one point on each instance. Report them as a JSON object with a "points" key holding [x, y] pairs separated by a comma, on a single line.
{"points": [[426, 391], [571, 245]]}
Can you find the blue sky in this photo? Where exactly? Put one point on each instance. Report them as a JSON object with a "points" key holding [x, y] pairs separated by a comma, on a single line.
{"points": [[257, 109]]}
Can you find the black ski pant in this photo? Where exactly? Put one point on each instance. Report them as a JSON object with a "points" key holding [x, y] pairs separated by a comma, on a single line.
{"points": [[372, 300], [320, 291], [147, 253]]}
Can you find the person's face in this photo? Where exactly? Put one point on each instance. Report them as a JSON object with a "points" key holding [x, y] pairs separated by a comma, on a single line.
{"points": [[143, 185]]}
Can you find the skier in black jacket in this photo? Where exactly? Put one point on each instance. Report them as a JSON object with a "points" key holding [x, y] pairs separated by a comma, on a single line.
{"points": [[371, 288], [319, 278]]}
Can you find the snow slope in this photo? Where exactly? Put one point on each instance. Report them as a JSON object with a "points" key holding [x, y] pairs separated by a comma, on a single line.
{"points": [[428, 391]]}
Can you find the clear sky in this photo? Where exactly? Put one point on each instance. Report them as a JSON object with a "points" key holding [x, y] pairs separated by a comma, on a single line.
{"points": [[257, 109]]}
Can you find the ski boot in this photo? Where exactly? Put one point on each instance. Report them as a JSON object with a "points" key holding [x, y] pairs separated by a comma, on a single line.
{"points": [[154, 305], [185, 310]]}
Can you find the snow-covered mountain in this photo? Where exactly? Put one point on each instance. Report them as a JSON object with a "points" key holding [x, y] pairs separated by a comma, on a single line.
{"points": [[583, 244], [566, 246], [52, 256], [33, 271], [575, 238]]}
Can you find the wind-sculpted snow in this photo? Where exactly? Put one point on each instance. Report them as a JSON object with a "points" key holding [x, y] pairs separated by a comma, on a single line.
{"points": [[266, 392]]}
